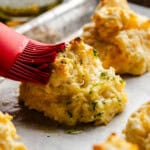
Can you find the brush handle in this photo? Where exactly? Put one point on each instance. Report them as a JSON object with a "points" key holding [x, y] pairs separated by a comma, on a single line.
{"points": [[23, 59], [11, 46]]}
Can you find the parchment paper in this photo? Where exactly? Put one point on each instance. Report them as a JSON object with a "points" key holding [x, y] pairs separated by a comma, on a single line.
{"points": [[39, 133]]}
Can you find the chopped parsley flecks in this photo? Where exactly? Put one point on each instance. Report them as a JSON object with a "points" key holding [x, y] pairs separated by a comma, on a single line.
{"points": [[63, 62], [94, 104], [69, 114], [103, 74], [119, 101], [99, 114], [93, 86], [103, 102], [90, 92], [73, 131], [121, 81], [95, 52], [113, 78], [5, 103], [107, 78], [96, 84], [83, 76]]}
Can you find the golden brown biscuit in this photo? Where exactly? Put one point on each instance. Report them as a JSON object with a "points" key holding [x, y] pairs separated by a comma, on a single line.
{"points": [[80, 90], [8, 134], [115, 143], [138, 127], [121, 36]]}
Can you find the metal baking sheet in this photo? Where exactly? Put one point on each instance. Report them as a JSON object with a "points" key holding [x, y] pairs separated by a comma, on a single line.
{"points": [[25, 3], [37, 131], [63, 21]]}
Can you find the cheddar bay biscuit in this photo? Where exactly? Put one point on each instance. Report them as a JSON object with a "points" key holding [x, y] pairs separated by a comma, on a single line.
{"points": [[115, 143], [121, 36], [138, 127], [8, 136], [79, 90]]}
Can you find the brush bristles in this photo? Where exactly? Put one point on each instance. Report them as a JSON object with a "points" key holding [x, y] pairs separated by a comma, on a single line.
{"points": [[33, 63]]}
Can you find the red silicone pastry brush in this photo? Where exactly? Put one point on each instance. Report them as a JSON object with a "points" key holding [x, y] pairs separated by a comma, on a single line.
{"points": [[23, 59]]}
